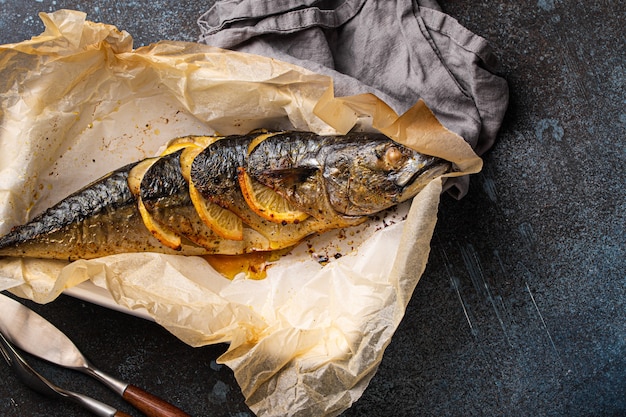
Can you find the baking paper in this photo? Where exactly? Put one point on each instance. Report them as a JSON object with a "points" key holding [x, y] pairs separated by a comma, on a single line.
{"points": [[78, 101]]}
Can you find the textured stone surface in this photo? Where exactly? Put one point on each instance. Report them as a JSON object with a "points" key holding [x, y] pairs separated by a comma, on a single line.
{"points": [[522, 309]]}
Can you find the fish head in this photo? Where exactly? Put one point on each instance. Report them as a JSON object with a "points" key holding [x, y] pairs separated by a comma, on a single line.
{"points": [[369, 177]]}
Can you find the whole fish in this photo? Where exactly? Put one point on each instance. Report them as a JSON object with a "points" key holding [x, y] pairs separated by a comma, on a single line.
{"points": [[202, 196]]}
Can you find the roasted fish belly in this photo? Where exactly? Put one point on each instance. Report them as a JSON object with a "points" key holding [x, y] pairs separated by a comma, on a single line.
{"points": [[229, 195]]}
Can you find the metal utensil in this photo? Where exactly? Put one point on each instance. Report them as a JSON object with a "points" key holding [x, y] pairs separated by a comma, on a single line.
{"points": [[34, 380], [37, 336]]}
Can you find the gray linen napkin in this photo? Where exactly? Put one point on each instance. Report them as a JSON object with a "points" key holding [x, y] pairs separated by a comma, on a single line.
{"points": [[399, 50]]}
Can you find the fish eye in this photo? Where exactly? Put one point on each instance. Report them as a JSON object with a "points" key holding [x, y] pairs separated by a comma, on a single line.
{"points": [[393, 156]]}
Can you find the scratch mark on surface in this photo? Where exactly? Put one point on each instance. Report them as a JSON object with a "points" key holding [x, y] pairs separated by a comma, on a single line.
{"points": [[496, 254], [472, 264], [543, 322], [574, 70], [455, 283], [477, 276]]}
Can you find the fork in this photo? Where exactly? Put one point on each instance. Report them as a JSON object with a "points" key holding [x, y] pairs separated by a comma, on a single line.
{"points": [[38, 383]]}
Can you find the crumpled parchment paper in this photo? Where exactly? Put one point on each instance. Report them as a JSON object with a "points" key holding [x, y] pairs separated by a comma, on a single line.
{"points": [[78, 101]]}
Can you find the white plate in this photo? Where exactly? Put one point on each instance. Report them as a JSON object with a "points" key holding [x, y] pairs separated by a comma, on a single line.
{"points": [[88, 291]]}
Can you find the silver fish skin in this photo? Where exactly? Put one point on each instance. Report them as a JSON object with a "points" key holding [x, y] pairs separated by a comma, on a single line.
{"points": [[361, 173], [98, 220]]}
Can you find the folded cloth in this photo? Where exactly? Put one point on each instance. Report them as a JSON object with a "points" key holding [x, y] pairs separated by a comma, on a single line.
{"points": [[399, 50]]}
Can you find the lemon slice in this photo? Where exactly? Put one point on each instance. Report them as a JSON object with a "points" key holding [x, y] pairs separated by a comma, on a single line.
{"points": [[187, 157], [223, 222], [164, 234], [188, 141], [266, 202], [261, 135], [136, 175]]}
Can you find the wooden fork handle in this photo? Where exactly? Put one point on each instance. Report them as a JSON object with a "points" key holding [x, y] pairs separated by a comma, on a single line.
{"points": [[151, 405]]}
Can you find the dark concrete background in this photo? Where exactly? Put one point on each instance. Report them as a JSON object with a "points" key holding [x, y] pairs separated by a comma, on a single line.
{"points": [[522, 309]]}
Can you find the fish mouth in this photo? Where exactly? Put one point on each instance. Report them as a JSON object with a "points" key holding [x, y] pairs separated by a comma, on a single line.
{"points": [[412, 182], [415, 167]]}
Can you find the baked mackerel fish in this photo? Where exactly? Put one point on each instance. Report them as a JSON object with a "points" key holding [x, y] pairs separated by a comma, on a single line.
{"points": [[229, 195]]}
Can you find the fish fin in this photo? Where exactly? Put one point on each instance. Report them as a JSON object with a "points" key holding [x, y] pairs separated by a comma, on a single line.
{"points": [[286, 179]]}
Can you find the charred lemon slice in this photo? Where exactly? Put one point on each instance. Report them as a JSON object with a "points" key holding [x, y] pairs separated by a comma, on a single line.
{"points": [[223, 222], [266, 202]]}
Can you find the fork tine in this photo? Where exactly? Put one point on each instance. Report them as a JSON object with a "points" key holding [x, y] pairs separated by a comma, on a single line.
{"points": [[37, 382], [24, 371]]}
